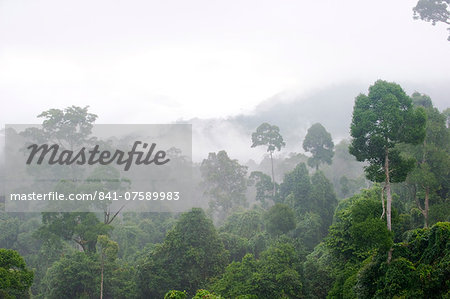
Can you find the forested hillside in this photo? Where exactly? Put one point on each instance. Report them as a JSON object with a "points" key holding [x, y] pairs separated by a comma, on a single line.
{"points": [[367, 217]]}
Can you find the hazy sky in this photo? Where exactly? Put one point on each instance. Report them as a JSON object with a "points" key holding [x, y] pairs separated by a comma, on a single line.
{"points": [[159, 61]]}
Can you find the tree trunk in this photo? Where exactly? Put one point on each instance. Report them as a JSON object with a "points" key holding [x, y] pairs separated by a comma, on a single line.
{"points": [[382, 202], [388, 199], [390, 255], [388, 192], [424, 210], [273, 177], [426, 207]]}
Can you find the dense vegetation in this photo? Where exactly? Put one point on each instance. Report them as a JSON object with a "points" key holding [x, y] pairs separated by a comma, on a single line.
{"points": [[322, 231]]}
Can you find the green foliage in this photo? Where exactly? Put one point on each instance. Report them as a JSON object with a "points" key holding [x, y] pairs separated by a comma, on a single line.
{"points": [[357, 233], [440, 212], [382, 119], [68, 128], [236, 246], [201, 294], [77, 275], [237, 278], [446, 113], [191, 254], [269, 251], [132, 238], [419, 269], [244, 223], [48, 248], [175, 295], [343, 282], [433, 11], [134, 231], [309, 230], [264, 187], [9, 227], [358, 229], [317, 273], [243, 232], [269, 135], [224, 181], [15, 278], [368, 230], [274, 275], [108, 248], [319, 143], [421, 100], [345, 172], [400, 278], [324, 200], [349, 187], [297, 182], [280, 219], [348, 287], [73, 276], [204, 294], [429, 182], [313, 200], [259, 243], [83, 228]]}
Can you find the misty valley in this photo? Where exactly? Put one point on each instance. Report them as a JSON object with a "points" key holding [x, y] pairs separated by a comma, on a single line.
{"points": [[360, 217], [224, 149]]}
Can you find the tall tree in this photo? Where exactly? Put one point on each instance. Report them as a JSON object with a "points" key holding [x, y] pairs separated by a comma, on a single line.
{"points": [[269, 135], [433, 11], [319, 143], [225, 182], [381, 120], [433, 157], [71, 128], [108, 252]]}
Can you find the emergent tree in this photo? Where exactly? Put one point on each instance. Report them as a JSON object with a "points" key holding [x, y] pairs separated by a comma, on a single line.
{"points": [[269, 135], [319, 143], [381, 120], [433, 11]]}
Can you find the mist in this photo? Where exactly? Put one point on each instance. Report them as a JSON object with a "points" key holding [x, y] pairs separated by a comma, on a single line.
{"points": [[265, 191]]}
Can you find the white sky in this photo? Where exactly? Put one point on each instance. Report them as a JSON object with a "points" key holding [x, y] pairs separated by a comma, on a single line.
{"points": [[159, 61]]}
